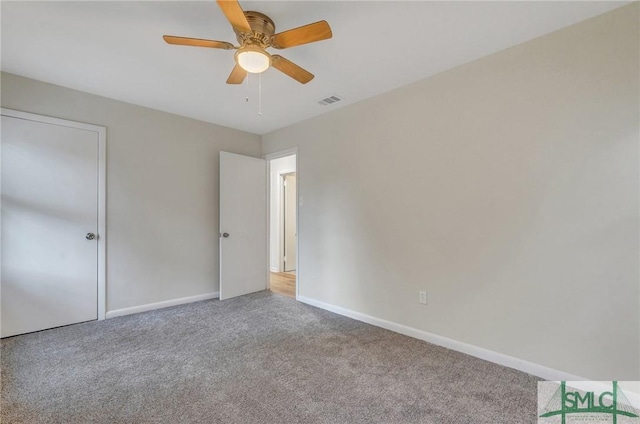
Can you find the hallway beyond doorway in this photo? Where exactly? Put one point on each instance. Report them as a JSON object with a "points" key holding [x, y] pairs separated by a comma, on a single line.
{"points": [[283, 283]]}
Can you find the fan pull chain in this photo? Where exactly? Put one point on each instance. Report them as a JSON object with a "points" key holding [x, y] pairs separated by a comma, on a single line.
{"points": [[246, 99], [260, 94]]}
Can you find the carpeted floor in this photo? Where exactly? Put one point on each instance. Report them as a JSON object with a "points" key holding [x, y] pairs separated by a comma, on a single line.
{"points": [[260, 358]]}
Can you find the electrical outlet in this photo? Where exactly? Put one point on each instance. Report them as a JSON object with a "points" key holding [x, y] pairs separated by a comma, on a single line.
{"points": [[423, 297]]}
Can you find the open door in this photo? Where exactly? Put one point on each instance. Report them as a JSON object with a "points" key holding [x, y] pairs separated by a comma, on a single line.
{"points": [[243, 225]]}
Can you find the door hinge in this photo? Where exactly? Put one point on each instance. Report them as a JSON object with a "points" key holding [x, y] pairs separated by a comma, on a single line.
{"points": [[284, 183]]}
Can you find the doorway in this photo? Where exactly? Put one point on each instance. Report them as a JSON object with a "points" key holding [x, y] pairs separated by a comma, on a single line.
{"points": [[283, 226]]}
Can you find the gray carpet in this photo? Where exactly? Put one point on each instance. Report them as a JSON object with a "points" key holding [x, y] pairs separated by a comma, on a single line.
{"points": [[260, 358]]}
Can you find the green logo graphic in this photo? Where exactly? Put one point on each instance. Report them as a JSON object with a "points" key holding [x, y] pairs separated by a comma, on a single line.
{"points": [[566, 401]]}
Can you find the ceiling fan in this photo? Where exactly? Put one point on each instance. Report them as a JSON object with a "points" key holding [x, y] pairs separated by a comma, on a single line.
{"points": [[255, 33]]}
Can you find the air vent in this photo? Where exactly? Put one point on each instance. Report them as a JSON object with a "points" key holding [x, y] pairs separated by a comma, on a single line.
{"points": [[330, 100]]}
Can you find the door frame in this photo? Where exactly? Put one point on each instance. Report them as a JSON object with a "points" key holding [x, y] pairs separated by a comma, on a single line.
{"points": [[102, 189], [269, 157]]}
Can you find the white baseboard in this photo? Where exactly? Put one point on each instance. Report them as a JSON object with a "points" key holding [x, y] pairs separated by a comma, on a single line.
{"points": [[479, 352], [159, 305], [275, 269]]}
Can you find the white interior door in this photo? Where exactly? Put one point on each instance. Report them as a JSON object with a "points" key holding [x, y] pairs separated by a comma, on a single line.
{"points": [[49, 204], [290, 235], [243, 225]]}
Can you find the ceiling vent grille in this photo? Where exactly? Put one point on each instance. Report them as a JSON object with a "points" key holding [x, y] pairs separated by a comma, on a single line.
{"points": [[330, 100]]}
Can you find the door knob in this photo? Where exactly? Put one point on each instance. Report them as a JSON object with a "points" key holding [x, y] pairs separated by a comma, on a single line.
{"points": [[225, 235], [90, 236]]}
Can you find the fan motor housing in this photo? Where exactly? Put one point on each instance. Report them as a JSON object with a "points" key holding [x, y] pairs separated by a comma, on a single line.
{"points": [[262, 29]]}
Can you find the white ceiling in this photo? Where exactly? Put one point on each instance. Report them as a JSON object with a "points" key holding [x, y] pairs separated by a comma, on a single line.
{"points": [[115, 49]]}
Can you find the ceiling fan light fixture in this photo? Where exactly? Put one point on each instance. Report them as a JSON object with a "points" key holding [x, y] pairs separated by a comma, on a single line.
{"points": [[253, 59], [255, 33]]}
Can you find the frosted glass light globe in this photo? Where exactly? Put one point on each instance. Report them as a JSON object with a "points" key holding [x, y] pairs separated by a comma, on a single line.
{"points": [[253, 60]]}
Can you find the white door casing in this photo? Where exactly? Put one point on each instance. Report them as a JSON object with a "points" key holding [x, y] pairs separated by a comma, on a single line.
{"points": [[243, 219], [52, 196]]}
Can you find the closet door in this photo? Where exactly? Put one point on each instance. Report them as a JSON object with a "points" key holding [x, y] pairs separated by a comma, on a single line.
{"points": [[49, 213]]}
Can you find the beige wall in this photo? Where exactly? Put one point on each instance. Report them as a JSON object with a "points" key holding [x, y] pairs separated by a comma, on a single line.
{"points": [[162, 190], [507, 188]]}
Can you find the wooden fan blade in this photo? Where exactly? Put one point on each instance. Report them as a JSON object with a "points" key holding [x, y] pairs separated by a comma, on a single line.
{"points": [[302, 35], [237, 75], [197, 42], [234, 14], [294, 71]]}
